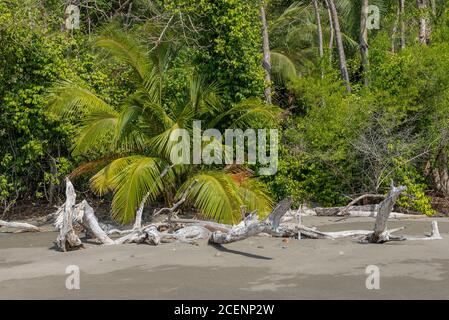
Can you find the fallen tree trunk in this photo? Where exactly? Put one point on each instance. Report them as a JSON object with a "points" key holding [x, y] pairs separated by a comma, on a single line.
{"points": [[19, 225], [353, 202], [315, 234]]}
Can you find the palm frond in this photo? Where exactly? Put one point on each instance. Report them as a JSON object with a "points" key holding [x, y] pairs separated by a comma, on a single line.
{"points": [[125, 48], [216, 196], [97, 131], [283, 69], [255, 197], [249, 113], [67, 98], [102, 182], [219, 196], [131, 179]]}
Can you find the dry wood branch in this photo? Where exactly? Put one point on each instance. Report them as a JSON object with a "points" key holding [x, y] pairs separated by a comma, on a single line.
{"points": [[356, 200], [380, 233], [67, 238], [22, 226], [177, 204], [139, 212], [251, 226], [315, 234]]}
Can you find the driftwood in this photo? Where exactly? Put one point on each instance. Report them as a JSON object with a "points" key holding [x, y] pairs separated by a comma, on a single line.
{"points": [[345, 210], [22, 226], [67, 238], [192, 230], [139, 212], [380, 233], [83, 215], [434, 234]]}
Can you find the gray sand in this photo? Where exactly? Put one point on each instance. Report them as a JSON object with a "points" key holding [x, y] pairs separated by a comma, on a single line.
{"points": [[257, 268]]}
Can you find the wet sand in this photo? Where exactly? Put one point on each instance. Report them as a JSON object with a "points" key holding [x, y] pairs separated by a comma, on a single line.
{"points": [[257, 268]]}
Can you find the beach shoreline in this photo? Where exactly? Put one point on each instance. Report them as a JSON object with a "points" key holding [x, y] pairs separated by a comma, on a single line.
{"points": [[256, 268]]}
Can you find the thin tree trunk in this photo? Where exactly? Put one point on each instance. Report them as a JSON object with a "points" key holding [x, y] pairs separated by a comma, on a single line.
{"points": [[266, 54], [341, 50], [319, 32], [402, 13], [319, 28], [423, 22], [440, 173], [363, 38], [395, 30], [434, 7], [331, 31]]}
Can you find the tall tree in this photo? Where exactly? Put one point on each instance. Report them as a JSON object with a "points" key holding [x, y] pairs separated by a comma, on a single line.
{"points": [[341, 49], [402, 13], [363, 40], [266, 53], [319, 28], [423, 22], [331, 31]]}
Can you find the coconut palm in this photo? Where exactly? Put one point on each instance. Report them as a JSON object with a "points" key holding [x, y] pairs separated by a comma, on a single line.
{"points": [[134, 144], [297, 50]]}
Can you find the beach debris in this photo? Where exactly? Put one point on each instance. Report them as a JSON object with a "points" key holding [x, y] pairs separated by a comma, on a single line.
{"points": [[192, 230], [22, 226]]}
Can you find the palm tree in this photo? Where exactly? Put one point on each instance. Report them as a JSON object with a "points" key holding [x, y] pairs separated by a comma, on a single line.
{"points": [[319, 28], [133, 140], [296, 50], [402, 19], [266, 53], [423, 22], [340, 48], [363, 38]]}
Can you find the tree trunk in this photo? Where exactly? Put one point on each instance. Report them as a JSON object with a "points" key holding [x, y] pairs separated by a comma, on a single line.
{"points": [[395, 30], [19, 225], [363, 40], [423, 22], [434, 7], [331, 31], [320, 34], [402, 13], [319, 28], [440, 173], [266, 54], [380, 233], [341, 50]]}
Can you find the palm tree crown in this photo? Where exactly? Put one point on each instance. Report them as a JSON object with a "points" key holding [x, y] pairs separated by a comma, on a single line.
{"points": [[134, 138]]}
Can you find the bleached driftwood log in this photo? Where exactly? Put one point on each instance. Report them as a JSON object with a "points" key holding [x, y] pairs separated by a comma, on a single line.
{"points": [[345, 210], [22, 226], [252, 226], [83, 214], [380, 233], [195, 230], [373, 214], [67, 238], [313, 233]]}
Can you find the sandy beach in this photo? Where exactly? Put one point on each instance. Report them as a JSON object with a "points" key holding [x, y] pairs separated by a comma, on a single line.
{"points": [[256, 268]]}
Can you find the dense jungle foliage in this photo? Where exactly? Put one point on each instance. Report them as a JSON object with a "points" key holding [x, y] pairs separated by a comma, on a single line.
{"points": [[359, 91]]}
